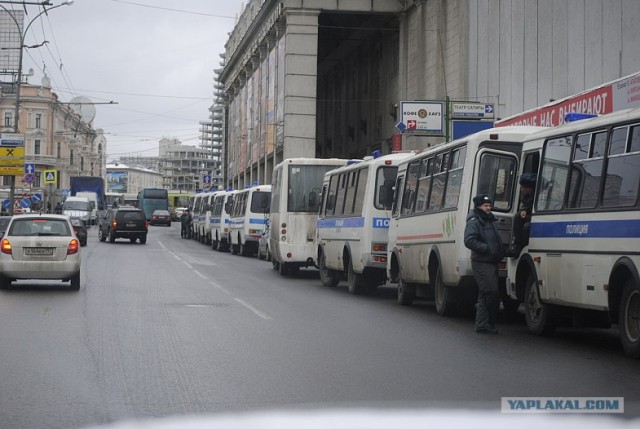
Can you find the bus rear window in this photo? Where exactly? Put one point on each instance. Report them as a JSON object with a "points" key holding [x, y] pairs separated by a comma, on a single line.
{"points": [[156, 193]]}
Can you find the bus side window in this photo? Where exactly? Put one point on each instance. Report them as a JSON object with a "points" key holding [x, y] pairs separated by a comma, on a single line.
{"points": [[396, 200], [323, 202]]}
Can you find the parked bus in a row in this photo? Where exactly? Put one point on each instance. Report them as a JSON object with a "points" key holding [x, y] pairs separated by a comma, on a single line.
{"points": [[295, 198], [353, 222], [434, 192], [249, 217], [198, 215], [220, 216], [582, 262]]}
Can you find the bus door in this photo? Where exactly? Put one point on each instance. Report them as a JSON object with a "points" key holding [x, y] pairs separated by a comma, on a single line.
{"points": [[496, 177]]}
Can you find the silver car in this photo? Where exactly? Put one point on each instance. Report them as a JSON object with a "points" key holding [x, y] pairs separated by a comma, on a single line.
{"points": [[40, 247]]}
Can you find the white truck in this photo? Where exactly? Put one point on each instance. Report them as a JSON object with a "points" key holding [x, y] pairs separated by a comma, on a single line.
{"points": [[93, 199], [79, 207]]}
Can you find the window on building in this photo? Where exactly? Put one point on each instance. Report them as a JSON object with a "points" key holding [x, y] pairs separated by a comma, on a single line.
{"points": [[8, 119], [38, 120], [36, 147], [70, 157], [58, 149]]}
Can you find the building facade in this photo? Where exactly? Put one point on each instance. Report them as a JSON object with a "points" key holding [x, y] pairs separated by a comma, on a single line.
{"points": [[57, 137], [325, 78]]}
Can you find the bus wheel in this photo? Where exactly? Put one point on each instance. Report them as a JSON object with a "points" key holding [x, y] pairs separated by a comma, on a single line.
{"points": [[406, 291], [539, 316], [328, 277], [355, 281], [275, 264], [630, 319], [445, 302]]}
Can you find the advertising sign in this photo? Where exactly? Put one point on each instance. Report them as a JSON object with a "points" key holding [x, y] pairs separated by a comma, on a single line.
{"points": [[425, 117], [11, 139], [618, 95], [11, 161]]}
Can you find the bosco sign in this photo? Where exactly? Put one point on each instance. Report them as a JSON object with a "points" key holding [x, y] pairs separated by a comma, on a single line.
{"points": [[423, 117]]}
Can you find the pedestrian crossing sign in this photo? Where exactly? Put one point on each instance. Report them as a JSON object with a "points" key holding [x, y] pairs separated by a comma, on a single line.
{"points": [[50, 176]]}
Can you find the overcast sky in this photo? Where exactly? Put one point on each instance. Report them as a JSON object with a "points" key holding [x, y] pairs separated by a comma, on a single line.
{"points": [[155, 58]]}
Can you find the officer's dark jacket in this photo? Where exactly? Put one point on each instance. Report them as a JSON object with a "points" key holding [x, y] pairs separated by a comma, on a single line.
{"points": [[481, 236]]}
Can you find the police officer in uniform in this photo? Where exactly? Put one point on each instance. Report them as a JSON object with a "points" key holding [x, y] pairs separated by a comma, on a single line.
{"points": [[481, 236]]}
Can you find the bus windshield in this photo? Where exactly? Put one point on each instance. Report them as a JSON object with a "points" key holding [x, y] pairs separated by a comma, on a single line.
{"points": [[305, 187]]}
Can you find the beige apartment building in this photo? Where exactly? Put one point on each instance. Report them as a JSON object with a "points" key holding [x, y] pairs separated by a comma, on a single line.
{"points": [[57, 136]]}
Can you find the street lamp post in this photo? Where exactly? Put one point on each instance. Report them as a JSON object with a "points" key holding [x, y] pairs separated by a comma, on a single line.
{"points": [[22, 35]]}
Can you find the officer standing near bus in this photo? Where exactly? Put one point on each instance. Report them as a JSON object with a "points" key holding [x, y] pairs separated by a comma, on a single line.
{"points": [[481, 236]]}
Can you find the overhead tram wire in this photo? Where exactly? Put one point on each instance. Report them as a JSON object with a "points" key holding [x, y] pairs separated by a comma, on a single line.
{"points": [[172, 10]]}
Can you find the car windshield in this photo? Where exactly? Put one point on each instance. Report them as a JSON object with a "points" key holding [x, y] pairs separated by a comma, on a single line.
{"points": [[39, 227], [77, 205]]}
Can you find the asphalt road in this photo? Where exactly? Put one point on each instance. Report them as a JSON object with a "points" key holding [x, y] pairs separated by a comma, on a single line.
{"points": [[174, 328]]}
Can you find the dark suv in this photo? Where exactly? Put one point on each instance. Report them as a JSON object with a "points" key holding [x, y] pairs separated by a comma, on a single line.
{"points": [[123, 223]]}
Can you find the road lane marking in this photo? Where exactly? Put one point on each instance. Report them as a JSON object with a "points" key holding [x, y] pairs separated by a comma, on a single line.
{"points": [[259, 313], [254, 309], [217, 286]]}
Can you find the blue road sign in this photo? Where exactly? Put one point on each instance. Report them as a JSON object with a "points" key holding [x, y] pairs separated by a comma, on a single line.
{"points": [[65, 192], [401, 126], [25, 203], [37, 198], [206, 179], [6, 203], [29, 168]]}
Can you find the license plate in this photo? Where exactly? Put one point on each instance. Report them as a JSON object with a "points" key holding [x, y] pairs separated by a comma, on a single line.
{"points": [[38, 251], [131, 224]]}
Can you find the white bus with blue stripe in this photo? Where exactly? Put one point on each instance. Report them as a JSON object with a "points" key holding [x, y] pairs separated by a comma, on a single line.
{"points": [[434, 192], [582, 261], [220, 216], [249, 218], [296, 190], [352, 226]]}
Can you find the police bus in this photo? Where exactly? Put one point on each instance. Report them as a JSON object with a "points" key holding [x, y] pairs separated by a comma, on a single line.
{"points": [[249, 217], [295, 199], [434, 191], [220, 219], [353, 222], [582, 261]]}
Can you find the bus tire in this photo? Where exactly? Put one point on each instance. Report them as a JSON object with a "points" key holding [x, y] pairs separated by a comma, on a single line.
{"points": [[540, 317], [630, 318], [275, 265], [444, 296], [406, 291], [328, 277], [355, 281]]}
